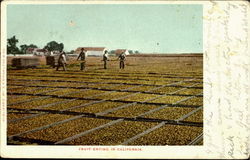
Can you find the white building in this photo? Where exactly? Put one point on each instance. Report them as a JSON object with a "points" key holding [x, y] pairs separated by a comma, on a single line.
{"points": [[91, 51], [37, 51]]}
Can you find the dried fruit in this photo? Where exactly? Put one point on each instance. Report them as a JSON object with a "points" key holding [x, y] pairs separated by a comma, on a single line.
{"points": [[141, 74]]}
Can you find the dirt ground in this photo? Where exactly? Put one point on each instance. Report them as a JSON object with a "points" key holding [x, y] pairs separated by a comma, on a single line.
{"points": [[136, 61]]}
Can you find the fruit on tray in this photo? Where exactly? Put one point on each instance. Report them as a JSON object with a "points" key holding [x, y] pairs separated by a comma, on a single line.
{"points": [[169, 135], [161, 71], [197, 101], [168, 99], [31, 123], [196, 117], [65, 130], [132, 111], [98, 107], [170, 113], [190, 91], [113, 135]]}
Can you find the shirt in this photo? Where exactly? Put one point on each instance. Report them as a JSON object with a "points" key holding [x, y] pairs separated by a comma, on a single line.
{"points": [[82, 56], [62, 58], [105, 57], [122, 57]]}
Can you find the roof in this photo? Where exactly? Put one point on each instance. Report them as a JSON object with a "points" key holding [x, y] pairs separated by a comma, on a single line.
{"points": [[36, 49], [90, 49], [30, 49], [41, 50], [119, 51]]}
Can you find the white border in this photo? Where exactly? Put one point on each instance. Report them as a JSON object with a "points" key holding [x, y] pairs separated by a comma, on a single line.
{"points": [[219, 85]]}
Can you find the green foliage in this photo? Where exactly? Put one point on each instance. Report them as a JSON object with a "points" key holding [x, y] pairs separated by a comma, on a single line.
{"points": [[23, 48], [11, 46], [130, 52], [32, 46], [54, 46], [13, 49], [111, 52], [71, 52], [137, 52]]}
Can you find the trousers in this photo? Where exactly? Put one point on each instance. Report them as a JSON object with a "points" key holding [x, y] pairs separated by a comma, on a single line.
{"points": [[122, 65], [82, 65], [105, 64], [60, 64]]}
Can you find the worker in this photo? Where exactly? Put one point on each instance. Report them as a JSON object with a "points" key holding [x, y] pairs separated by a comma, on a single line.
{"points": [[62, 61], [82, 56], [105, 58], [122, 58]]}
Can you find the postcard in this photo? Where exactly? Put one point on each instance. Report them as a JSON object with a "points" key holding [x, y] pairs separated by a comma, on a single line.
{"points": [[125, 79]]}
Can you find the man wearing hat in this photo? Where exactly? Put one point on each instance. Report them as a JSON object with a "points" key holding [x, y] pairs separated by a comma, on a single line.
{"points": [[82, 56], [105, 58], [122, 58]]}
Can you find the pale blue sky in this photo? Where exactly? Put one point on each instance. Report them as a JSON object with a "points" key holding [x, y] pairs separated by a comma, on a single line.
{"points": [[148, 28]]}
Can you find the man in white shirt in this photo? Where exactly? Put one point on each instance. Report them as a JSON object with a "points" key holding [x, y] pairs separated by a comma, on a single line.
{"points": [[105, 58], [62, 61]]}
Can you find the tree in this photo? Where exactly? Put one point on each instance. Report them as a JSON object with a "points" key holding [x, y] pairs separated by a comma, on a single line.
{"points": [[112, 52], [23, 48], [54, 46], [71, 52], [32, 46], [137, 52], [130, 51], [11, 46]]}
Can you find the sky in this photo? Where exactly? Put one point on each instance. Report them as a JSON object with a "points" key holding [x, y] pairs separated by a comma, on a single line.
{"points": [[148, 28]]}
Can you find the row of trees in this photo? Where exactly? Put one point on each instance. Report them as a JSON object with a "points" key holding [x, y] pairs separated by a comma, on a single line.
{"points": [[51, 46], [130, 52], [133, 52], [13, 49]]}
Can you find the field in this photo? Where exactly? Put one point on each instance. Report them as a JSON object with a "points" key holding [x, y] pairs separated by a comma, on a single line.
{"points": [[153, 101]]}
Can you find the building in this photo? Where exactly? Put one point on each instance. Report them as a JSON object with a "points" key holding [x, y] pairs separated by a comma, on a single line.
{"points": [[91, 51], [37, 51], [119, 51]]}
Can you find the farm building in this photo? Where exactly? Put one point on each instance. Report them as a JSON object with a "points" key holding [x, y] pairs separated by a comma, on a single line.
{"points": [[119, 51], [92, 51], [37, 51]]}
